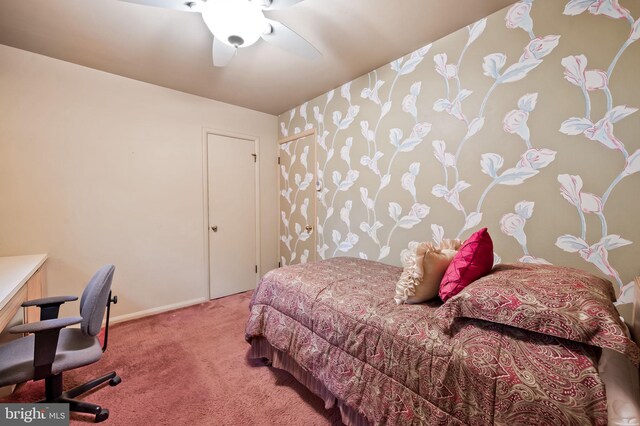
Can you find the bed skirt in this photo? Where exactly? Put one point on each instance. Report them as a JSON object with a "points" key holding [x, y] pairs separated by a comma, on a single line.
{"points": [[261, 348]]}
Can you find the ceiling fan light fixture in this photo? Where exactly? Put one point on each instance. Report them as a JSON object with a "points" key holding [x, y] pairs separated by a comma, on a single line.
{"points": [[238, 23], [267, 29]]}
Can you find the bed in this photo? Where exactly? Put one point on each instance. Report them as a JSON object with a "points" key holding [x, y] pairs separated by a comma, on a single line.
{"points": [[334, 325]]}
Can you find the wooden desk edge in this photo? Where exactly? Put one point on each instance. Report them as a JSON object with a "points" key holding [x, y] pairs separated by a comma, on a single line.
{"points": [[43, 258]]}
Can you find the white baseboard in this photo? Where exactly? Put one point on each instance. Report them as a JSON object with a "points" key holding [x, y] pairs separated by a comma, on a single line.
{"points": [[158, 310]]}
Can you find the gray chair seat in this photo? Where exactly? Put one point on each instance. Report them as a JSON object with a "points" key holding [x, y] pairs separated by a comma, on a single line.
{"points": [[75, 349]]}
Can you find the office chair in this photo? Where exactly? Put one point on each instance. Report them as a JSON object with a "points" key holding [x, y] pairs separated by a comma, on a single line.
{"points": [[52, 348]]}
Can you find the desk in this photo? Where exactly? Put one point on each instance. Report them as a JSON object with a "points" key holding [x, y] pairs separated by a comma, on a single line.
{"points": [[21, 278]]}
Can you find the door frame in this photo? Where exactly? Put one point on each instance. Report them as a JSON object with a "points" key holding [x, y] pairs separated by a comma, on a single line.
{"points": [[205, 198], [309, 132]]}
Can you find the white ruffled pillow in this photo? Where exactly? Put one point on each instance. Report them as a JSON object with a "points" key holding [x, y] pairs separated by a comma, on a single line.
{"points": [[424, 266]]}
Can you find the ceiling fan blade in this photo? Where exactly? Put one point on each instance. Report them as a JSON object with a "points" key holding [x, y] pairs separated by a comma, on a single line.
{"points": [[222, 53], [169, 4], [279, 4], [285, 38]]}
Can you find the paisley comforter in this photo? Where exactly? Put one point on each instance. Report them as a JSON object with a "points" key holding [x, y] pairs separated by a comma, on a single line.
{"points": [[402, 365]]}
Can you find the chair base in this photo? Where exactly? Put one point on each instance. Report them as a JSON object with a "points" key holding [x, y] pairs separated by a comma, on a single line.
{"points": [[54, 394]]}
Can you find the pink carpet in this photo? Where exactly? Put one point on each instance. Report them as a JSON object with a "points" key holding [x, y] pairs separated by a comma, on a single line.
{"points": [[189, 367]]}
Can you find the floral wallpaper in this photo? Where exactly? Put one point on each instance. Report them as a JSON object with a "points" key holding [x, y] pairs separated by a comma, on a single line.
{"points": [[507, 123]]}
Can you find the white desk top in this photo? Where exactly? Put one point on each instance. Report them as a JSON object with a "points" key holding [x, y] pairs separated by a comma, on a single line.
{"points": [[15, 271]]}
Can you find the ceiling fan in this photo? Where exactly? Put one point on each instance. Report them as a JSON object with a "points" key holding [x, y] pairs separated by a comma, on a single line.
{"points": [[237, 24]]}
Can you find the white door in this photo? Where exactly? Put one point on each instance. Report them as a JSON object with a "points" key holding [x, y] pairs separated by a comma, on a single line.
{"points": [[232, 215]]}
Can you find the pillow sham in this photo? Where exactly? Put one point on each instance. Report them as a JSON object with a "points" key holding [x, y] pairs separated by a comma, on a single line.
{"points": [[474, 260], [424, 265], [558, 301]]}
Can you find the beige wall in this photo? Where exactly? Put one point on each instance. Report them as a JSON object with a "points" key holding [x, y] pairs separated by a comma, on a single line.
{"points": [[97, 168], [501, 132]]}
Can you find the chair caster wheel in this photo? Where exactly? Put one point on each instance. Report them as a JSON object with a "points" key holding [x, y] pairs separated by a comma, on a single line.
{"points": [[115, 382], [102, 415]]}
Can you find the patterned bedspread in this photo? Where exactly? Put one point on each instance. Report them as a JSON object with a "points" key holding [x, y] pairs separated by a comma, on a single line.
{"points": [[398, 365]]}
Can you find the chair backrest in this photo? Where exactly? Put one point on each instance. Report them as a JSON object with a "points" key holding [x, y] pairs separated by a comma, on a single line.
{"points": [[94, 300]]}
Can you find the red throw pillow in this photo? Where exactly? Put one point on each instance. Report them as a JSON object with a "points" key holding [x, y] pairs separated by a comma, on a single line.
{"points": [[474, 260]]}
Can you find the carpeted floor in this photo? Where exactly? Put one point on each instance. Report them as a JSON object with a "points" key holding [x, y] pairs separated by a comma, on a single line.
{"points": [[189, 367]]}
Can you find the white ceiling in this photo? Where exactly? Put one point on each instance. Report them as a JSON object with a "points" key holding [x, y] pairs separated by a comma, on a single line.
{"points": [[173, 49]]}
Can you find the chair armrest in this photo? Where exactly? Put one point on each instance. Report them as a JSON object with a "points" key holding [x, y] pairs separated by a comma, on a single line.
{"points": [[49, 306], [55, 300], [40, 326]]}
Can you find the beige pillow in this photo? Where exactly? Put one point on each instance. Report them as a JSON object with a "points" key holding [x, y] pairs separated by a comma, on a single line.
{"points": [[424, 266]]}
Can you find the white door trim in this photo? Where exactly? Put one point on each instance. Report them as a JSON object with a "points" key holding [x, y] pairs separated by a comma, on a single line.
{"points": [[205, 197]]}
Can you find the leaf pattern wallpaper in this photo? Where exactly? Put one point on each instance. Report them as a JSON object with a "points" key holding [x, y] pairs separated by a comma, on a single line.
{"points": [[507, 123]]}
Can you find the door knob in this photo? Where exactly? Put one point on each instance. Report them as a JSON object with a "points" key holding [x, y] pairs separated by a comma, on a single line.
{"points": [[214, 228], [308, 228]]}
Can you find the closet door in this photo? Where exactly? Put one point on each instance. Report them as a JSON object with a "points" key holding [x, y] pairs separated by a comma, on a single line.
{"points": [[233, 239], [298, 200]]}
